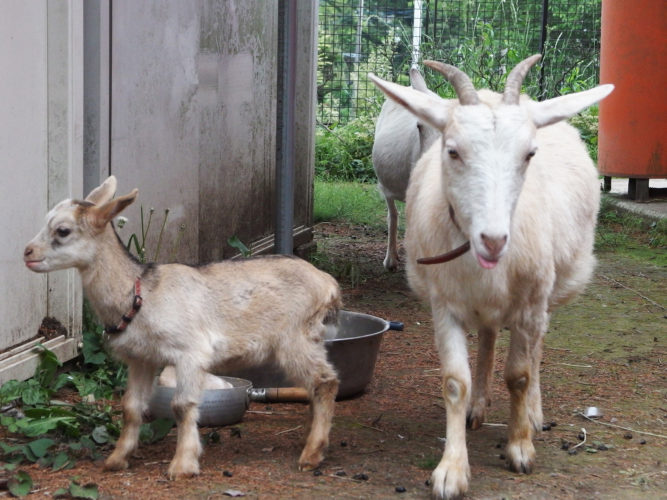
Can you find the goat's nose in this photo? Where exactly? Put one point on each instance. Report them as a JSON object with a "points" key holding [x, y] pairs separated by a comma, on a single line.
{"points": [[28, 251], [494, 244]]}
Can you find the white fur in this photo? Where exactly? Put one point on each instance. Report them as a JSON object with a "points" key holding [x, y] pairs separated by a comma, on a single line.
{"points": [[195, 319], [400, 139], [531, 226]]}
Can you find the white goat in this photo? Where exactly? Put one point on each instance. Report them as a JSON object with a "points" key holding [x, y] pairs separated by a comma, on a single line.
{"points": [[400, 140], [519, 190], [198, 319]]}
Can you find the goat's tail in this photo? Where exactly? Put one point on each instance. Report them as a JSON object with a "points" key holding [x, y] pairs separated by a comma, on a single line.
{"points": [[335, 305]]}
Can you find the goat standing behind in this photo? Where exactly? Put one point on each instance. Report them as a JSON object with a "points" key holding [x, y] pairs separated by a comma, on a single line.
{"points": [[520, 189], [400, 139], [198, 319]]}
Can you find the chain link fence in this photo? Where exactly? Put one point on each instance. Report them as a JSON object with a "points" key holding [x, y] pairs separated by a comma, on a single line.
{"points": [[484, 38]]}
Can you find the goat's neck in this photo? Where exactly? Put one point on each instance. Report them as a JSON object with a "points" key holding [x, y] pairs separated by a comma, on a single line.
{"points": [[109, 281]]}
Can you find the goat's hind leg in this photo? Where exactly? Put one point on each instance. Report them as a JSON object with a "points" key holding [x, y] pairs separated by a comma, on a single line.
{"points": [[391, 259], [189, 384], [135, 403], [481, 387], [308, 366]]}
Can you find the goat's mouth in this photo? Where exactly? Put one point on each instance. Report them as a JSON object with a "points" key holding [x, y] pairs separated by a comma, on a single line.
{"points": [[487, 263], [35, 265]]}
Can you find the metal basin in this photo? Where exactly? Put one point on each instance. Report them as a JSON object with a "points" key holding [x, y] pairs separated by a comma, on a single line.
{"points": [[352, 347], [217, 406]]}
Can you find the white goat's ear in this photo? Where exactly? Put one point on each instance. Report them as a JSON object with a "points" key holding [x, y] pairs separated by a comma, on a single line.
{"points": [[104, 192], [559, 108], [432, 110], [101, 216], [417, 80]]}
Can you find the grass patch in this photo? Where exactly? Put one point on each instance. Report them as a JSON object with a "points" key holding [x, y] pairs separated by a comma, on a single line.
{"points": [[631, 235], [359, 204]]}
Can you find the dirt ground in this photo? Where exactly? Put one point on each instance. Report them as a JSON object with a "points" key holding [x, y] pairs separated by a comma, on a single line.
{"points": [[605, 350]]}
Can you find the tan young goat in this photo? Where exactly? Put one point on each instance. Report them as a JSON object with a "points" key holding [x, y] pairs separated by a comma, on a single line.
{"points": [[198, 319]]}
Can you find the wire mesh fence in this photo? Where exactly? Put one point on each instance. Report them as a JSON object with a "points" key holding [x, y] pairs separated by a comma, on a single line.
{"points": [[485, 38]]}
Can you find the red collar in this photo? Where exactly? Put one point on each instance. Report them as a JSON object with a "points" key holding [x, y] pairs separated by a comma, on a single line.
{"points": [[127, 318], [452, 254]]}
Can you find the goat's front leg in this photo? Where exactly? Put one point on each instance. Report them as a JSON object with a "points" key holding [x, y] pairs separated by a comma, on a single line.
{"points": [[451, 476], [481, 387], [185, 405], [522, 379], [135, 403], [391, 259]]}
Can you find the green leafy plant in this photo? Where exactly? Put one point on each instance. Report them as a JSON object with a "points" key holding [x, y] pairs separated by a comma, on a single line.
{"points": [[75, 490], [237, 244], [587, 124], [134, 240], [343, 153], [67, 431], [20, 484]]}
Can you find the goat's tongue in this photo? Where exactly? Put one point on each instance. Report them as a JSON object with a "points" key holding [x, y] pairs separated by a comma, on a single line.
{"points": [[486, 264]]}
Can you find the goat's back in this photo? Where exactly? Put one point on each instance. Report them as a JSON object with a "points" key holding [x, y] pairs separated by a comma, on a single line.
{"points": [[396, 148], [237, 309]]}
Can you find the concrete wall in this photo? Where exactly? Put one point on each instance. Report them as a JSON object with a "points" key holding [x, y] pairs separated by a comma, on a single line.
{"points": [[193, 106], [41, 164]]}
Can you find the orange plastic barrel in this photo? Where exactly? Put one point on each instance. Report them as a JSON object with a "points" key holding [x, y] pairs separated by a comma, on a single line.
{"points": [[633, 119]]}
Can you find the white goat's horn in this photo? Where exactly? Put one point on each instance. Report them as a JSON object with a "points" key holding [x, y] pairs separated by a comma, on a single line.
{"points": [[464, 88], [515, 79]]}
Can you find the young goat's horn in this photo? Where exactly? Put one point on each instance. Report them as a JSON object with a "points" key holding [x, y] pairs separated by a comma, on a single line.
{"points": [[515, 79], [464, 88]]}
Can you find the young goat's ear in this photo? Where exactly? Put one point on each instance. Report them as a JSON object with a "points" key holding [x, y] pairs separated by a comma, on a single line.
{"points": [[559, 108], [104, 192], [101, 216], [432, 110]]}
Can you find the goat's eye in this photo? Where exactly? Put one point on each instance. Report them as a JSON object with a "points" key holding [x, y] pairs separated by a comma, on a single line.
{"points": [[63, 231], [453, 154]]}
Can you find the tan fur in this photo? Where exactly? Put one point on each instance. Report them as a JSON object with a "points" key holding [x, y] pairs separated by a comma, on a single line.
{"points": [[197, 319]]}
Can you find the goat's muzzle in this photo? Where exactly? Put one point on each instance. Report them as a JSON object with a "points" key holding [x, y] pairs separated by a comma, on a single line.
{"points": [[31, 262]]}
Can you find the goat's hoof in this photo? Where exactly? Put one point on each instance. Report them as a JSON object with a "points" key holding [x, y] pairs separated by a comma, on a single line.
{"points": [[474, 423], [521, 456], [476, 414], [308, 463], [450, 480], [390, 265], [115, 464], [182, 471]]}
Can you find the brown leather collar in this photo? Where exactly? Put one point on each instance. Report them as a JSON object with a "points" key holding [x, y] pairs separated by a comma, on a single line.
{"points": [[452, 254], [127, 318]]}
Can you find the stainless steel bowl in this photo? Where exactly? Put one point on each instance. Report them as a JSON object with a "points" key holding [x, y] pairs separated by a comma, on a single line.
{"points": [[217, 406]]}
